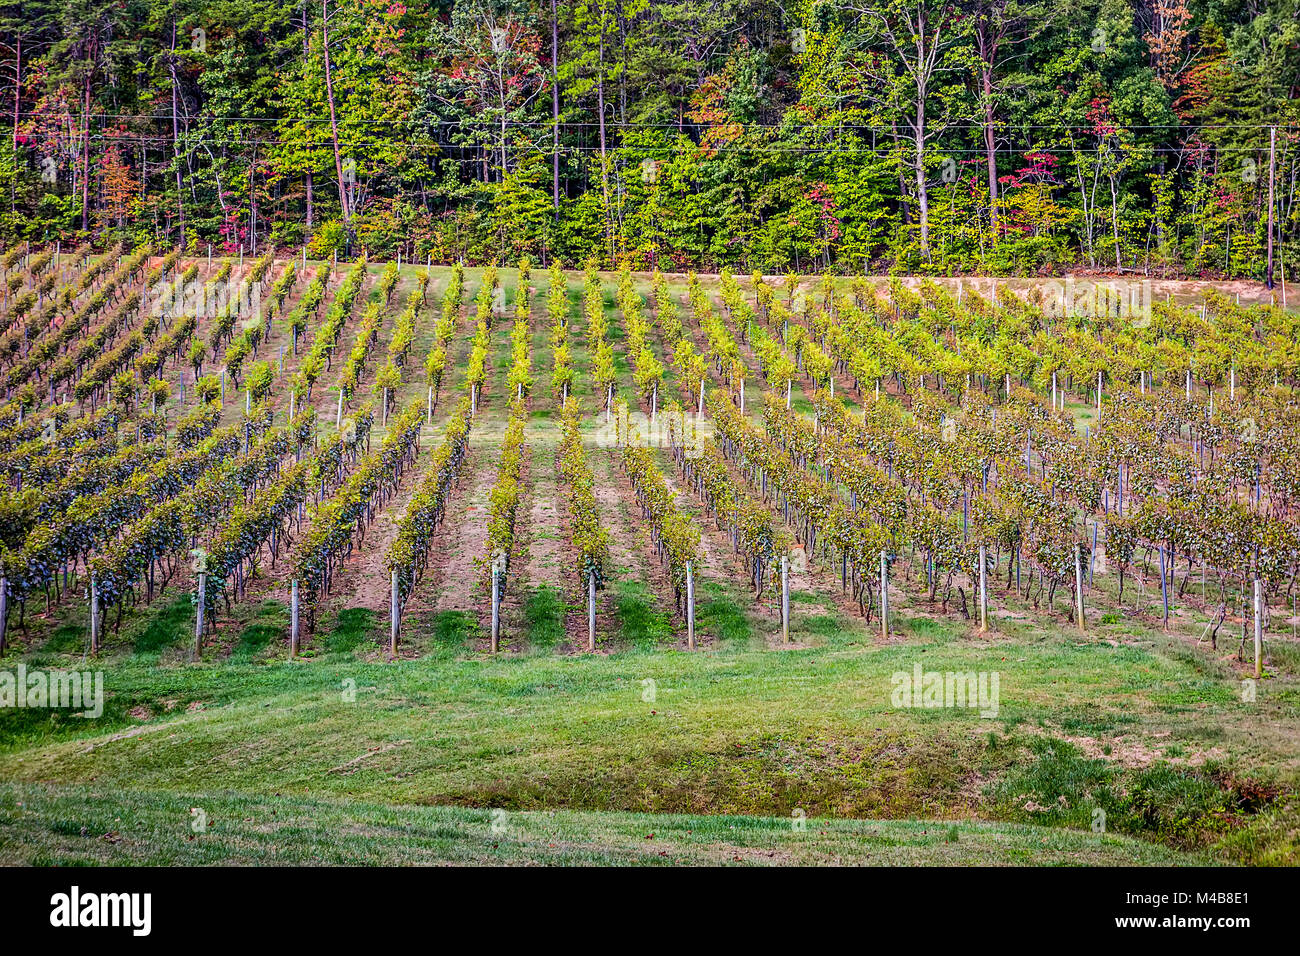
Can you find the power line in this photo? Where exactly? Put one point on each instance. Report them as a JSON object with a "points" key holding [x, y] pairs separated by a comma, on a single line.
{"points": [[616, 124]]}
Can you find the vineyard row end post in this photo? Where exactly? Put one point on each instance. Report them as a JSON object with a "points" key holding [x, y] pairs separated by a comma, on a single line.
{"points": [[591, 610], [1078, 588], [396, 615], [293, 618], [1259, 628], [884, 595], [198, 615], [785, 599], [690, 607], [496, 604], [984, 591], [94, 615]]}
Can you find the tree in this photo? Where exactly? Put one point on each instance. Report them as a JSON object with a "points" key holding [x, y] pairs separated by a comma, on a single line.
{"points": [[923, 37], [492, 71], [118, 186]]}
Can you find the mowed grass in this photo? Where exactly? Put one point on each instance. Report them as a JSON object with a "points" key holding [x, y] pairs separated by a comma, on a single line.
{"points": [[1143, 731], [90, 825]]}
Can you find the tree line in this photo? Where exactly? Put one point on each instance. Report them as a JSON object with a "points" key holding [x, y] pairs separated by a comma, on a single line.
{"points": [[1012, 136]]}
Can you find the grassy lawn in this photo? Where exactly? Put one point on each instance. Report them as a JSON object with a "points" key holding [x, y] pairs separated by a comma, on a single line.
{"points": [[345, 757], [90, 825]]}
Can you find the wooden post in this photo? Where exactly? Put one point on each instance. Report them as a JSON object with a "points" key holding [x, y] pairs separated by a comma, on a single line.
{"points": [[1078, 588], [785, 599], [429, 407], [198, 616], [1259, 628], [338, 416], [384, 420], [1164, 586], [496, 604], [884, 595], [94, 615], [984, 589], [591, 610], [701, 412], [4, 610], [1099, 396], [396, 618], [690, 606], [293, 618]]}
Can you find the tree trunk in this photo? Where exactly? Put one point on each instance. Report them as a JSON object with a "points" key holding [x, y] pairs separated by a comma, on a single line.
{"points": [[93, 52], [555, 109], [18, 84], [604, 169], [922, 195], [344, 198], [990, 151], [176, 137]]}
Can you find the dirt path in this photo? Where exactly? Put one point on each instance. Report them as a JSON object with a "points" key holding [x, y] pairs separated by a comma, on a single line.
{"points": [[631, 550], [364, 579], [547, 554], [453, 582]]}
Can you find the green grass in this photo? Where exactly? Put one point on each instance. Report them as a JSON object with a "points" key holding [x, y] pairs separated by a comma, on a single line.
{"points": [[81, 826], [452, 629], [161, 631], [258, 636], [544, 618], [1142, 730], [641, 621], [352, 628], [721, 616]]}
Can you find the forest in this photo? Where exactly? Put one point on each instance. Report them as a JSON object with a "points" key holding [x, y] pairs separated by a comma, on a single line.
{"points": [[910, 136]]}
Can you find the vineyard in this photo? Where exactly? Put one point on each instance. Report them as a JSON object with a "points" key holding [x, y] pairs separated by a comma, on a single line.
{"points": [[214, 465]]}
